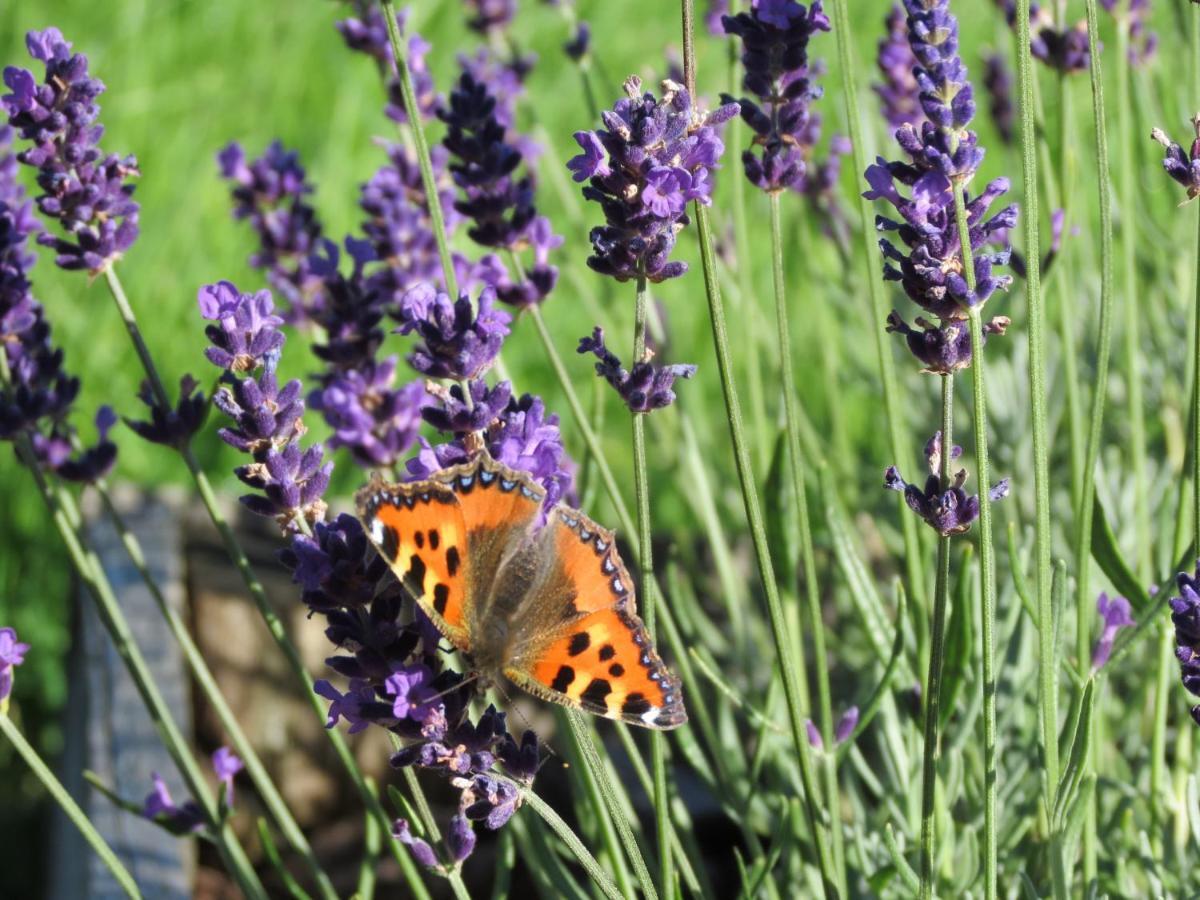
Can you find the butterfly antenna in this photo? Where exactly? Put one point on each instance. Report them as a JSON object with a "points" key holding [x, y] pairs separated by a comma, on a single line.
{"points": [[474, 676], [509, 705]]}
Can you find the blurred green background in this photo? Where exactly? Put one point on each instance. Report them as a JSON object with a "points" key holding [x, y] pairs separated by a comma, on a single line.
{"points": [[183, 78]]}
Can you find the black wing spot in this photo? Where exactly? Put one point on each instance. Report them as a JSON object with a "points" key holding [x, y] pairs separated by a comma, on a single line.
{"points": [[596, 692], [391, 542], [420, 539], [416, 571], [452, 561], [579, 642], [570, 610], [434, 539], [441, 597], [563, 679], [616, 670], [607, 652], [635, 705]]}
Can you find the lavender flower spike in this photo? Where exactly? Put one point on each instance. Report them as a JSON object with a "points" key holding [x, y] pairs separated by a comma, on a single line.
{"points": [[898, 89], [458, 342], [226, 765], [652, 158], [12, 654], [1183, 167], [158, 807], [1115, 613], [1185, 614], [82, 188], [775, 36], [949, 511], [647, 387]]}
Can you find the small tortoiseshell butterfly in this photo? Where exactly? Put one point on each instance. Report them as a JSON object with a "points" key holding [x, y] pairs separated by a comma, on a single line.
{"points": [[550, 607]]}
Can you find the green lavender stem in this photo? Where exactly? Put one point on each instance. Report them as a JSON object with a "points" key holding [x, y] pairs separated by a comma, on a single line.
{"points": [[421, 143], [1047, 661], [641, 481], [987, 563], [937, 648], [897, 436], [234, 550], [208, 686], [77, 816], [90, 571], [1085, 609], [1196, 400], [812, 589], [817, 817]]}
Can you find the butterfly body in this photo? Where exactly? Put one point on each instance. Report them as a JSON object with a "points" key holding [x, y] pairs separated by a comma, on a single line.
{"points": [[548, 605]]}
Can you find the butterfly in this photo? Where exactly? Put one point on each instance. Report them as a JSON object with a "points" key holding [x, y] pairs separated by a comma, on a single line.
{"points": [[550, 606]]}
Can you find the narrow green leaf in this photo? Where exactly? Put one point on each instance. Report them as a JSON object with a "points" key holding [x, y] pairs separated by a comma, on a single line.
{"points": [[1080, 743], [783, 525], [1108, 555], [907, 875]]}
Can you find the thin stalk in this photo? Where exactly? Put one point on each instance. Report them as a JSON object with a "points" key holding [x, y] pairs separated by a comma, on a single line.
{"points": [[1084, 601], [428, 181], [1067, 305], [812, 588], [582, 736], [90, 571], [1047, 661], [896, 429], [77, 816], [1196, 400], [641, 481], [1143, 563], [937, 649], [987, 562], [817, 818], [270, 795], [235, 552]]}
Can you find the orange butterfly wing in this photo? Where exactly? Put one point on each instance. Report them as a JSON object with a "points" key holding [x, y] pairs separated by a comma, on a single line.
{"points": [[446, 537], [581, 643]]}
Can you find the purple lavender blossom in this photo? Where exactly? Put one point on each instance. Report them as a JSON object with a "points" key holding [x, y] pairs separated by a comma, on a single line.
{"points": [[845, 727], [158, 807], [716, 11], [38, 400], [1183, 167], [1061, 47], [172, 427], [646, 140], [1143, 43], [94, 463], [578, 47], [460, 413], [270, 193], [12, 654], [490, 16], [460, 838], [267, 421], [458, 340], [376, 422], [775, 36], [949, 511], [946, 348], [85, 190], [998, 82], [499, 203], [898, 88], [368, 34], [647, 387], [226, 765], [1185, 614], [419, 848], [520, 435], [1114, 612]]}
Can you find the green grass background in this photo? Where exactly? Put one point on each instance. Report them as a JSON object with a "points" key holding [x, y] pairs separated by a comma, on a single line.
{"points": [[183, 78]]}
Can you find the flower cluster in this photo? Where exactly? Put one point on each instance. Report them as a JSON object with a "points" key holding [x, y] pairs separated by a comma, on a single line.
{"points": [[775, 36], [652, 158], [947, 510], [499, 203], [39, 394], [489, 16], [647, 387], [844, 728], [998, 82], [1185, 614], [944, 158], [1064, 49], [460, 340], [1184, 167], [82, 188], [1114, 612], [1143, 43], [267, 418], [12, 654], [898, 88], [367, 33], [270, 193], [172, 426], [187, 817]]}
